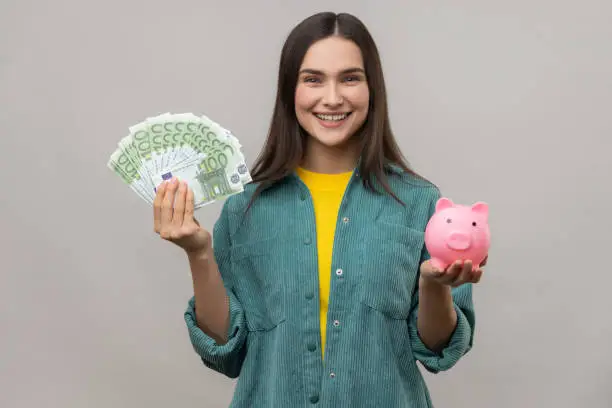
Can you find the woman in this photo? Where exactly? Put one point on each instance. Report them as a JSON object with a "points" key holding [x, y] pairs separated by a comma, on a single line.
{"points": [[318, 290]]}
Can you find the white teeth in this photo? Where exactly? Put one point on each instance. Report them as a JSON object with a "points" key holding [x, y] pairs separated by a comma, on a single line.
{"points": [[332, 117]]}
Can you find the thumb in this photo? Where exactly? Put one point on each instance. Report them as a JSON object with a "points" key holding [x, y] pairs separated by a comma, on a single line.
{"points": [[428, 269]]}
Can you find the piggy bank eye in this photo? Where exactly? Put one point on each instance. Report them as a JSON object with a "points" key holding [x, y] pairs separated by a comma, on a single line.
{"points": [[448, 220], [474, 223]]}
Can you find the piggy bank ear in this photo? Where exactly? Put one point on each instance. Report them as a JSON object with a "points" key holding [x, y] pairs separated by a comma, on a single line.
{"points": [[443, 203], [481, 208]]}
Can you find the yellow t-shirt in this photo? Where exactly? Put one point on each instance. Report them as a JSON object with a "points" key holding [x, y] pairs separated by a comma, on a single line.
{"points": [[327, 191]]}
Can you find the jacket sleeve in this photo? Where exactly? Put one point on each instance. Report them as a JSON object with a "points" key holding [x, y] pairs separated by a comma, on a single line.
{"points": [[226, 359], [462, 338]]}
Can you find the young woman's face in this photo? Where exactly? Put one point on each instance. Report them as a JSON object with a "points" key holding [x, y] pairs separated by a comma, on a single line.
{"points": [[332, 96]]}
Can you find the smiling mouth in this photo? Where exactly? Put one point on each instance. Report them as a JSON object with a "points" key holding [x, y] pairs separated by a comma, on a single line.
{"points": [[336, 117]]}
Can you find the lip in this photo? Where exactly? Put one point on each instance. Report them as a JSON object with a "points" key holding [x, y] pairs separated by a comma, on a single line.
{"points": [[332, 124], [331, 113]]}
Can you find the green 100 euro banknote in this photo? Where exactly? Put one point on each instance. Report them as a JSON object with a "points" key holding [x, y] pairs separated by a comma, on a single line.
{"points": [[186, 146]]}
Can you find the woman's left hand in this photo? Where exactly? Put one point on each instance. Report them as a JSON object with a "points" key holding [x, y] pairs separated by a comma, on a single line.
{"points": [[456, 274]]}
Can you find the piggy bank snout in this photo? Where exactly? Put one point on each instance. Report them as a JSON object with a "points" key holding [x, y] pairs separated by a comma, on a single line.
{"points": [[459, 240]]}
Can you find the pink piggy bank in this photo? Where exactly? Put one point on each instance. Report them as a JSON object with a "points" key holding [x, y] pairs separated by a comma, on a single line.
{"points": [[458, 232]]}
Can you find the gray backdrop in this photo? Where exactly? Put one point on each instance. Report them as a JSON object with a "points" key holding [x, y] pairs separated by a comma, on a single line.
{"points": [[507, 102]]}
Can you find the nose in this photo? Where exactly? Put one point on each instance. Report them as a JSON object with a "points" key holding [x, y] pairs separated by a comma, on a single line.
{"points": [[332, 96], [458, 240]]}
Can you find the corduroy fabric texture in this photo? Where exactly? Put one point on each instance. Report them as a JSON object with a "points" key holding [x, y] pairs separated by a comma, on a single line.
{"points": [[268, 260]]}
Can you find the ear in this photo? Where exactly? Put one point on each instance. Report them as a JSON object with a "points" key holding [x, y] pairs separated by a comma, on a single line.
{"points": [[443, 203], [481, 207]]}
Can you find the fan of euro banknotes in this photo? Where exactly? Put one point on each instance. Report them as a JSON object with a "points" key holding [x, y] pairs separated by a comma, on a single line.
{"points": [[186, 146]]}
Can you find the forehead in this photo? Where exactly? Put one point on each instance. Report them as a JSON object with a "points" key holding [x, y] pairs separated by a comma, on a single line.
{"points": [[333, 54]]}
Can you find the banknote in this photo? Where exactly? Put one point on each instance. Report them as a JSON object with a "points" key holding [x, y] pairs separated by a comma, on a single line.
{"points": [[190, 147]]}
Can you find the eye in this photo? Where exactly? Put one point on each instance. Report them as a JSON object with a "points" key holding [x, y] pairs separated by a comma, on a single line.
{"points": [[448, 220], [474, 223], [352, 80], [311, 79]]}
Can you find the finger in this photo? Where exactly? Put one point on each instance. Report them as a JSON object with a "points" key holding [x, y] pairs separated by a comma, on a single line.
{"points": [[179, 206], [465, 274], [436, 273], [167, 205], [452, 272], [476, 275], [189, 206], [473, 276], [157, 204]]}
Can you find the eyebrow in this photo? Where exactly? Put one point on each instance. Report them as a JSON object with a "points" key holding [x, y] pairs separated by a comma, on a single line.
{"points": [[318, 72]]}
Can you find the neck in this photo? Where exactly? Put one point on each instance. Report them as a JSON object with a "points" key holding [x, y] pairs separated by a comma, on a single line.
{"points": [[319, 158]]}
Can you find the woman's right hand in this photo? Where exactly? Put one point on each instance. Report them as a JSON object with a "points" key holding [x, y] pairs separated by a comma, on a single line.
{"points": [[174, 221]]}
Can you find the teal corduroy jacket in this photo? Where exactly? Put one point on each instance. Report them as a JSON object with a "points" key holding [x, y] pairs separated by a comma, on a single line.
{"points": [[268, 260]]}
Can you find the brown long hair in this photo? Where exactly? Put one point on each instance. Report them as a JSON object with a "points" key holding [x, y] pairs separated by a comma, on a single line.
{"points": [[285, 143]]}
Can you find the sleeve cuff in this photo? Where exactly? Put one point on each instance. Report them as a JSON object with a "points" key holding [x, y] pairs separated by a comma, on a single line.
{"points": [[459, 344], [226, 358]]}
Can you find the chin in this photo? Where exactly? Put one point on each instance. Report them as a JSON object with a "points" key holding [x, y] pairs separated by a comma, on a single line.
{"points": [[331, 141]]}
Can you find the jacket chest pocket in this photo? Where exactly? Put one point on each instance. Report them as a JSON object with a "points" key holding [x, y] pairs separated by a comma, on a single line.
{"points": [[259, 283], [392, 255]]}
